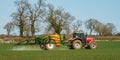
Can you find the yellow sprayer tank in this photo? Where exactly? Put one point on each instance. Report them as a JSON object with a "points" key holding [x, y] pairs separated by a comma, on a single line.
{"points": [[56, 38]]}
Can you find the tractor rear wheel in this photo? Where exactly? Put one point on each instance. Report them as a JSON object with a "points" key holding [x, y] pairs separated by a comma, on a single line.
{"points": [[50, 45], [77, 44]]}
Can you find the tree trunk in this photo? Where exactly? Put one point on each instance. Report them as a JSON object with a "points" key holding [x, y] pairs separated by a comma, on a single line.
{"points": [[21, 28], [21, 31], [33, 28], [58, 30]]}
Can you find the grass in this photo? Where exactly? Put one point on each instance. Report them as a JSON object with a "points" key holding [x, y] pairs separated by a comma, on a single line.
{"points": [[106, 51]]}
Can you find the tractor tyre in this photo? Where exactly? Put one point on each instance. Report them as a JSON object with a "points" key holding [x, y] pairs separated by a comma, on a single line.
{"points": [[91, 45], [51, 45], [77, 44], [42, 47]]}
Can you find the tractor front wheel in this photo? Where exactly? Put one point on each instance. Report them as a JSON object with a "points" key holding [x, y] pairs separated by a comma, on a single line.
{"points": [[91, 45], [77, 44]]}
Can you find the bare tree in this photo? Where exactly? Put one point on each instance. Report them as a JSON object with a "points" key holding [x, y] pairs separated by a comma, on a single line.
{"points": [[58, 19], [36, 14], [20, 15], [104, 29], [100, 28], [76, 26], [28, 15], [9, 27], [110, 28], [91, 24]]}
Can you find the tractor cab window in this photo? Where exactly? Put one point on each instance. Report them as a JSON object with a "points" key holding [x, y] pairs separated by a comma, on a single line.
{"points": [[78, 35]]}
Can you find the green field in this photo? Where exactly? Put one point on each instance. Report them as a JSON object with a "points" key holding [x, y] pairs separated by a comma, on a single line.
{"points": [[105, 51]]}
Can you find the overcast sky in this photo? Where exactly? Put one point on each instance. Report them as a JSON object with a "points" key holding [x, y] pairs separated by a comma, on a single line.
{"points": [[103, 10]]}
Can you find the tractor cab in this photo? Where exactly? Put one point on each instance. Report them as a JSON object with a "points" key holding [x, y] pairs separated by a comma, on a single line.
{"points": [[82, 36]]}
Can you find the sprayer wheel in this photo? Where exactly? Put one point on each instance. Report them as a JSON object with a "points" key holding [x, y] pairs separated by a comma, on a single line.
{"points": [[51, 45], [42, 47]]}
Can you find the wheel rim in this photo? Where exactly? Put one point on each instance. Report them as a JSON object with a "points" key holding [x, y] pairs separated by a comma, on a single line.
{"points": [[77, 45], [93, 45], [50, 46]]}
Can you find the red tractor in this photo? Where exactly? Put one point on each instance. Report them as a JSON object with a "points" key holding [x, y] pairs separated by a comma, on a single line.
{"points": [[80, 40]]}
